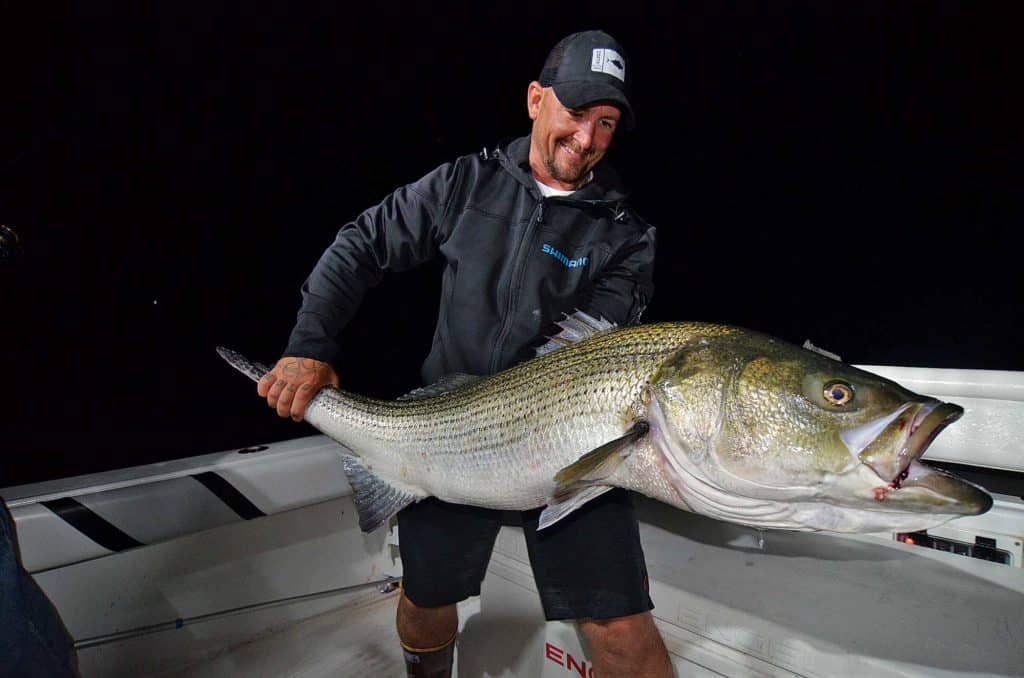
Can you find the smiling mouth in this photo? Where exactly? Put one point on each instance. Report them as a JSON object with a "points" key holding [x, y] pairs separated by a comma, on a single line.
{"points": [[574, 152], [928, 422]]}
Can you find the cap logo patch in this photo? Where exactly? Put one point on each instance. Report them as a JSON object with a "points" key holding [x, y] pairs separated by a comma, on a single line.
{"points": [[608, 61]]}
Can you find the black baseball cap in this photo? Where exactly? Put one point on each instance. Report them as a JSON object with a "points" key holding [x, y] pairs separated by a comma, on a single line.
{"points": [[588, 67]]}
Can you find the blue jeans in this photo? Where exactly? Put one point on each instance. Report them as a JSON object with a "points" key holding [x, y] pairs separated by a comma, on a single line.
{"points": [[33, 640]]}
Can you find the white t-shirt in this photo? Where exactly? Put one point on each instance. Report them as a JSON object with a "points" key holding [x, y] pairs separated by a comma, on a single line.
{"points": [[548, 191]]}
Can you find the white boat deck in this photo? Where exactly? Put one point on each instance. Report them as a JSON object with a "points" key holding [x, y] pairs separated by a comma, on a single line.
{"points": [[356, 639], [811, 605], [803, 604]]}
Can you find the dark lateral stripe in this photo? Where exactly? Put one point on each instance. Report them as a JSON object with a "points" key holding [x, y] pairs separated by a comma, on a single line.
{"points": [[90, 524], [230, 495]]}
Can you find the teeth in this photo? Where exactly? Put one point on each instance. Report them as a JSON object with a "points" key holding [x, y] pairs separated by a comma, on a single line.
{"points": [[569, 149]]}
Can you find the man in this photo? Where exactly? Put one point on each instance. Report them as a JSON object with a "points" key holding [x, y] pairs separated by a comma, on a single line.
{"points": [[527, 232]]}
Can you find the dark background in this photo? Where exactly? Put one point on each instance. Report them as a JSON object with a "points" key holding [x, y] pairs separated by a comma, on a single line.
{"points": [[844, 173]]}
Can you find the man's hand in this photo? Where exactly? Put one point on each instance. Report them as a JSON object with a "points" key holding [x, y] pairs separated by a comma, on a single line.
{"points": [[292, 384]]}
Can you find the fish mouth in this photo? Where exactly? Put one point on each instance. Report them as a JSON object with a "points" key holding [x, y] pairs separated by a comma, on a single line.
{"points": [[927, 423], [915, 486]]}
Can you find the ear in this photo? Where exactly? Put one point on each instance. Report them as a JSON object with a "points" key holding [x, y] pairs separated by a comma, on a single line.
{"points": [[534, 93]]}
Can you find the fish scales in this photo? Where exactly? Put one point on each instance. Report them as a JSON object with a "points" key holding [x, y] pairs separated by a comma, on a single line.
{"points": [[477, 445], [718, 420], [567, 375]]}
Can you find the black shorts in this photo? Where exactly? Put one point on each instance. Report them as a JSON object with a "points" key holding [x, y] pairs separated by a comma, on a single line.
{"points": [[588, 565]]}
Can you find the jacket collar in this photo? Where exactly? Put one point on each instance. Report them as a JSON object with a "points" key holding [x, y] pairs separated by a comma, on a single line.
{"points": [[606, 184]]}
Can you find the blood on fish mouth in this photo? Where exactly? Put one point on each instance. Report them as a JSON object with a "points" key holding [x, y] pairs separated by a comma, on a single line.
{"points": [[897, 482], [928, 422]]}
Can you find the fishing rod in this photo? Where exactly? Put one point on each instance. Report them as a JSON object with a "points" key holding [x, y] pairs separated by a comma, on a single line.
{"points": [[386, 585]]}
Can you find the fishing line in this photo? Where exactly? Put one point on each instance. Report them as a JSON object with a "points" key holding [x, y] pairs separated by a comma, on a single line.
{"points": [[386, 585]]}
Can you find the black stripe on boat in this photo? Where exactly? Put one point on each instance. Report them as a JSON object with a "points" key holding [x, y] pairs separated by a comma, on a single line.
{"points": [[230, 495], [91, 524]]}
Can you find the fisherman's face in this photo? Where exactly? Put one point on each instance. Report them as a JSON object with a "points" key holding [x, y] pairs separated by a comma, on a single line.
{"points": [[566, 143]]}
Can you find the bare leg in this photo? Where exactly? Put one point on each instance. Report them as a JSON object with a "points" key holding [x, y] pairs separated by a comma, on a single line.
{"points": [[626, 646], [428, 638]]}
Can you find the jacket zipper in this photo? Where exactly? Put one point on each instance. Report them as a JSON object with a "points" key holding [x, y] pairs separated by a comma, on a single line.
{"points": [[536, 217]]}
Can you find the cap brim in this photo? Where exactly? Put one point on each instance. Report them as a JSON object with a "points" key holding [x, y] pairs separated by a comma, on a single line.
{"points": [[582, 94]]}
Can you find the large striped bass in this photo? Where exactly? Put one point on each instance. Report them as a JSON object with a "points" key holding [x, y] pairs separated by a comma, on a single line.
{"points": [[713, 419]]}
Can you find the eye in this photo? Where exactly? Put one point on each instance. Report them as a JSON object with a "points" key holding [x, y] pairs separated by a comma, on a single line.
{"points": [[838, 393]]}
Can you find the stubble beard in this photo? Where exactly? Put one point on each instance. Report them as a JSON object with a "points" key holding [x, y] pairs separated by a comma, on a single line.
{"points": [[573, 175]]}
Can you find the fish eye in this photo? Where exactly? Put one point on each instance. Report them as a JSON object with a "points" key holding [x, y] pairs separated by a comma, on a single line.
{"points": [[838, 393]]}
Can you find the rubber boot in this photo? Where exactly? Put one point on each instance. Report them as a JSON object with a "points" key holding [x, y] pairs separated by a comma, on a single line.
{"points": [[431, 662]]}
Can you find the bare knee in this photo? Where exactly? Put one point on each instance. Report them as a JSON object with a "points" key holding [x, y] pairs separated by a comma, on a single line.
{"points": [[425, 627], [628, 645], [621, 635]]}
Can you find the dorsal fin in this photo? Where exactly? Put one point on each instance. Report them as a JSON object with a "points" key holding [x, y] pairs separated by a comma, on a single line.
{"points": [[575, 327], [448, 382]]}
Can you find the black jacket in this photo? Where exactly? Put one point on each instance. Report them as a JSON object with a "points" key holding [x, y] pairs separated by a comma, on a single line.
{"points": [[514, 262]]}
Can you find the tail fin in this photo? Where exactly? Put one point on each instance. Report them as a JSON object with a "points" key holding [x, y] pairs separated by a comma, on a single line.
{"points": [[249, 368], [376, 499]]}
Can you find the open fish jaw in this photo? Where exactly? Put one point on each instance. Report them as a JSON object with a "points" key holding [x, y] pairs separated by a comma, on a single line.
{"points": [[908, 481], [919, 430]]}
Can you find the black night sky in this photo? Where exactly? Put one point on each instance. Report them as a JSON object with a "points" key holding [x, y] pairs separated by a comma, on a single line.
{"points": [[847, 173]]}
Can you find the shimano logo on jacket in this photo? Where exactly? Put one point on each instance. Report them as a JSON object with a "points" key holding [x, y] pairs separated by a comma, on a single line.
{"points": [[566, 261]]}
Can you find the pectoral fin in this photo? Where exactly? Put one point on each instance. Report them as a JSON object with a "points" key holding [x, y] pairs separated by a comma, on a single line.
{"points": [[582, 480], [600, 463]]}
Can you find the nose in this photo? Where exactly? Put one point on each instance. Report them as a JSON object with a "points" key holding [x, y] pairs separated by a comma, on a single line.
{"points": [[584, 135]]}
